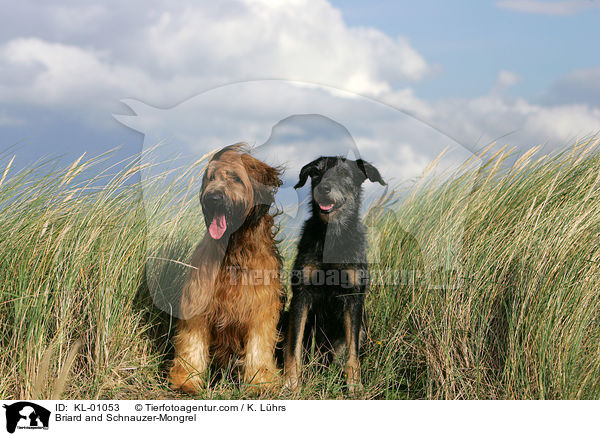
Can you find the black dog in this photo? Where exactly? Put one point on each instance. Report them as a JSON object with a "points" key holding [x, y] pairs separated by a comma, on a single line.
{"points": [[330, 276]]}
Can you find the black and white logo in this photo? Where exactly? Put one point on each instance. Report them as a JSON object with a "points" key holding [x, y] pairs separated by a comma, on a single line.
{"points": [[26, 415]]}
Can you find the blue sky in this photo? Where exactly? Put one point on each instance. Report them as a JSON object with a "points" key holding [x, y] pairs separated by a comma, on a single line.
{"points": [[476, 69], [472, 41]]}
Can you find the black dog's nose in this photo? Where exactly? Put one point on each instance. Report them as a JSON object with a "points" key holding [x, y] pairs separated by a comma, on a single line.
{"points": [[325, 188]]}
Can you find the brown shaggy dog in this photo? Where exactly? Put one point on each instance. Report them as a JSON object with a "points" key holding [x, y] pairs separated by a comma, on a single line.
{"points": [[232, 297]]}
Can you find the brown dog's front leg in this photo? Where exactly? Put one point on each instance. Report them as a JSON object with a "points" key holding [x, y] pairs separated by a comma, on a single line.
{"points": [[260, 372], [191, 355], [293, 349]]}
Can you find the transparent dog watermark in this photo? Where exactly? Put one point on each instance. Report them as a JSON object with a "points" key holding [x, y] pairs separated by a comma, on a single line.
{"points": [[289, 124]]}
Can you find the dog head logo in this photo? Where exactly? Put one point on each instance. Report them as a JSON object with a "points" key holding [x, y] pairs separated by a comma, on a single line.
{"points": [[26, 415]]}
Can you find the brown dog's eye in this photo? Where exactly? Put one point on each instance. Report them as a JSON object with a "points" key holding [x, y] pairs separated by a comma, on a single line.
{"points": [[236, 179]]}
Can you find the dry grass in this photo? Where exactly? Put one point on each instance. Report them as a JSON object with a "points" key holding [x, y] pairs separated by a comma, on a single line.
{"points": [[518, 318]]}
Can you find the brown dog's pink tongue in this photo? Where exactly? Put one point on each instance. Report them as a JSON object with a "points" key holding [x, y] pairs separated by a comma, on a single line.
{"points": [[217, 227]]}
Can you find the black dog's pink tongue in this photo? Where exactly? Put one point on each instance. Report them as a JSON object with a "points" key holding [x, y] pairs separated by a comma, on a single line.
{"points": [[326, 207], [217, 227]]}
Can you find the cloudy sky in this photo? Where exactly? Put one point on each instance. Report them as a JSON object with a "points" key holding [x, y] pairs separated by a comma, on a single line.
{"points": [[475, 70]]}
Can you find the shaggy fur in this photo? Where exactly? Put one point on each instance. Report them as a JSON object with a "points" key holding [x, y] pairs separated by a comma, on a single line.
{"points": [[232, 297], [330, 277]]}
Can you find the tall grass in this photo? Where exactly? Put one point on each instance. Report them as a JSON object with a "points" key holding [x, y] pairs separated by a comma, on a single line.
{"points": [[518, 317]]}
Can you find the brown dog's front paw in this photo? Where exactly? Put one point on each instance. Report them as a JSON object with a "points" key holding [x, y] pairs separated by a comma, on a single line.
{"points": [[181, 379], [264, 380]]}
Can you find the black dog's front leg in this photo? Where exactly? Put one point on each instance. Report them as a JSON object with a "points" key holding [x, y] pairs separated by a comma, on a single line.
{"points": [[353, 318], [299, 308], [352, 327]]}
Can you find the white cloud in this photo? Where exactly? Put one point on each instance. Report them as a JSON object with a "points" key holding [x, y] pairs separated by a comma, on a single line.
{"points": [[548, 7], [407, 100], [580, 86], [506, 79], [88, 56], [41, 73], [516, 122], [568, 121]]}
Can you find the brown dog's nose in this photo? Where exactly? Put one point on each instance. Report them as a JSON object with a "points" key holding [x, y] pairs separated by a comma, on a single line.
{"points": [[213, 199]]}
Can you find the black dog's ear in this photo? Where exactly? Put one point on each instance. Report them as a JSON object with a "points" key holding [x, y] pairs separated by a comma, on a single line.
{"points": [[370, 171], [307, 170]]}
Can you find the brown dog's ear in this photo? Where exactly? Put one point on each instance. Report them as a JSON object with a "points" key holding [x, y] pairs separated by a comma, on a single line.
{"points": [[370, 172], [260, 173], [265, 181], [307, 170]]}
